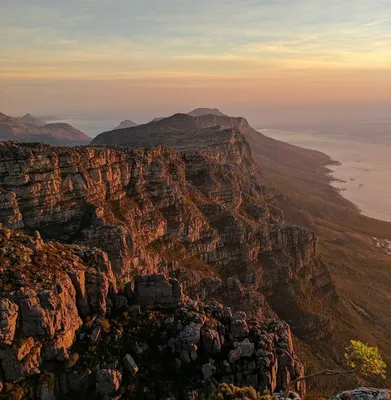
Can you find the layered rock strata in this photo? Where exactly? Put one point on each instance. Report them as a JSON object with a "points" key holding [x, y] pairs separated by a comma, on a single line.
{"points": [[192, 215]]}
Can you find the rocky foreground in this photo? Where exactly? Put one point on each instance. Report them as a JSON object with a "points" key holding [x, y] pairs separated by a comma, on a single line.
{"points": [[66, 332]]}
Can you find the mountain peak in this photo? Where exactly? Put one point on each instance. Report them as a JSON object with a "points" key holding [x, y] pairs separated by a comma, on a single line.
{"points": [[198, 112], [127, 123], [31, 120]]}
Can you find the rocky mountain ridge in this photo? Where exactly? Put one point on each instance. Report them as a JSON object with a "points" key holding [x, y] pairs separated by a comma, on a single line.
{"points": [[302, 190], [30, 129], [198, 215]]}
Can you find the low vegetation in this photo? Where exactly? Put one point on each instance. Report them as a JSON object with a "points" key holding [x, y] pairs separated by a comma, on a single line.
{"points": [[360, 359]]}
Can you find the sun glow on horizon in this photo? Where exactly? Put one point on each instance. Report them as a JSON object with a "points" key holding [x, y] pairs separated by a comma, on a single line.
{"points": [[278, 49]]}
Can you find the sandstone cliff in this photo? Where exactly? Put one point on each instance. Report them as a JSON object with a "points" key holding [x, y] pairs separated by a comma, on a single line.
{"points": [[199, 215]]}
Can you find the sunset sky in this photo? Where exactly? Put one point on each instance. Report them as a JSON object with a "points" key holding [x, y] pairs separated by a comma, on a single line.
{"points": [[158, 56]]}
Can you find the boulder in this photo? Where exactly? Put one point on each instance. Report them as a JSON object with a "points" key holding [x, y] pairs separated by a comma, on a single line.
{"points": [[157, 291], [239, 327], [364, 393], [207, 371], [108, 381], [130, 365]]}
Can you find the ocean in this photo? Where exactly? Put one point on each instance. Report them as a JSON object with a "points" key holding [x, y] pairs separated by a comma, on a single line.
{"points": [[364, 174]]}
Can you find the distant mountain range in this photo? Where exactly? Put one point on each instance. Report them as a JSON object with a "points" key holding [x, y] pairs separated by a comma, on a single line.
{"points": [[198, 112], [31, 129]]}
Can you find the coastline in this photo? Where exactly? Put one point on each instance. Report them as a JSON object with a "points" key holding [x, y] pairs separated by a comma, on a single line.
{"points": [[357, 169]]}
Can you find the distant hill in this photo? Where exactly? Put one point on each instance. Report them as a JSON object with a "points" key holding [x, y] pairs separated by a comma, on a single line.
{"points": [[198, 112], [30, 120], [31, 129], [126, 124]]}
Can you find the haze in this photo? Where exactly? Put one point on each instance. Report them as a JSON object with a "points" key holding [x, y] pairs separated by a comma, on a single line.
{"points": [[268, 60]]}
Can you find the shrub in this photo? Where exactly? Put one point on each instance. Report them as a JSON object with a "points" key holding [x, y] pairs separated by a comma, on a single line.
{"points": [[231, 392], [365, 359]]}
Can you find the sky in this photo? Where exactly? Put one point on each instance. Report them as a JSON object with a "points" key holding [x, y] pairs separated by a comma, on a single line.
{"points": [[143, 58]]}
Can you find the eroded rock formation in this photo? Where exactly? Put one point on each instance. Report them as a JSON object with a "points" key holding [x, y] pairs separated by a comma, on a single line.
{"points": [[193, 215], [67, 333]]}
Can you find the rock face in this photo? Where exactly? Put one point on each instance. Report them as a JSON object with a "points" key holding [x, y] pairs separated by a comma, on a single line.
{"points": [[45, 291], [201, 213], [30, 129], [364, 394]]}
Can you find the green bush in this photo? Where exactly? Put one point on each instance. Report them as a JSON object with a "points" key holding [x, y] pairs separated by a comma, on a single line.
{"points": [[364, 359], [231, 392]]}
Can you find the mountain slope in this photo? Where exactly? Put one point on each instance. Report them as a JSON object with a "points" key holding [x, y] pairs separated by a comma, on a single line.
{"points": [[29, 129]]}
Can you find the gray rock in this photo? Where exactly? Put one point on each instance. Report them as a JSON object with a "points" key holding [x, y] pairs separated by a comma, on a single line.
{"points": [[364, 393], [207, 371], [95, 335], [191, 333], [134, 310], [239, 327], [246, 348], [157, 291], [130, 365], [108, 381]]}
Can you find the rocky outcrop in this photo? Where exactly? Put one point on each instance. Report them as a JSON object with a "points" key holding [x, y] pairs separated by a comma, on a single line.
{"points": [[364, 394], [65, 331], [45, 290]]}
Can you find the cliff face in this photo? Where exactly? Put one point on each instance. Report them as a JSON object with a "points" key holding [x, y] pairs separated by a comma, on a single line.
{"points": [[196, 215]]}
